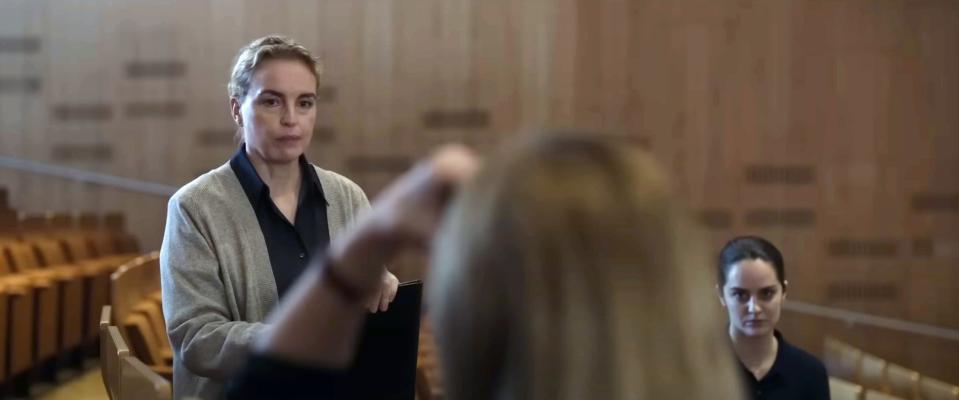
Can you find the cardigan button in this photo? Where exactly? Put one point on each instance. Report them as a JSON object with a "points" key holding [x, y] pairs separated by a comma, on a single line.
{"points": [[302, 255]]}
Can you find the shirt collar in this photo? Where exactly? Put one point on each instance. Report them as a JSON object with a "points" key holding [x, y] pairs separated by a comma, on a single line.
{"points": [[777, 363], [253, 185]]}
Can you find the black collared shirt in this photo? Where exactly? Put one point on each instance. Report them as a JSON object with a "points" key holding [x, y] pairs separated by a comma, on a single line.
{"points": [[795, 374], [289, 244]]}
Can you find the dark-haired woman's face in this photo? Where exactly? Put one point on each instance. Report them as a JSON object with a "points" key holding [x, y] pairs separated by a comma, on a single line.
{"points": [[753, 297]]}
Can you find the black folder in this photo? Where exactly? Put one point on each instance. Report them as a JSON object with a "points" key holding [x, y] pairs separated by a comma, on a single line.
{"points": [[385, 363]]}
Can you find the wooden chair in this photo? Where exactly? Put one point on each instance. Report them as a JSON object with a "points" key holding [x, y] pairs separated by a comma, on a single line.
{"points": [[902, 381], [36, 315], [42, 258], [872, 372], [841, 359], [844, 390], [141, 337], [135, 304], [932, 389], [108, 360], [134, 281], [875, 395], [19, 294], [115, 350], [152, 309], [139, 382]]}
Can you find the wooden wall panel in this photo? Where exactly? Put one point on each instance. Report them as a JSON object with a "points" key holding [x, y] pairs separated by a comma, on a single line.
{"points": [[828, 126]]}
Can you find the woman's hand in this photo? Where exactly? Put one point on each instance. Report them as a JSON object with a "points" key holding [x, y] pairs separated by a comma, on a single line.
{"points": [[381, 300], [406, 214]]}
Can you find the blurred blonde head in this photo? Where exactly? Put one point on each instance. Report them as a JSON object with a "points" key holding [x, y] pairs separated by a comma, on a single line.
{"points": [[566, 270]]}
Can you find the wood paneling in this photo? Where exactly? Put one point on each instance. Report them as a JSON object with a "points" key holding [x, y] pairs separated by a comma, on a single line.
{"points": [[828, 126]]}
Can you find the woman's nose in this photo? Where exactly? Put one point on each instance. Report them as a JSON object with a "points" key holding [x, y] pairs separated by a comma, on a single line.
{"points": [[752, 306]]}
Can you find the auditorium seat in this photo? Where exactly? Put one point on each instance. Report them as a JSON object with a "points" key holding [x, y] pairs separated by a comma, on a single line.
{"points": [[110, 352], [872, 372], [20, 296], [932, 389], [44, 258], [902, 381], [841, 360], [139, 382], [153, 311], [135, 288], [46, 289], [116, 349], [876, 395], [840, 389]]}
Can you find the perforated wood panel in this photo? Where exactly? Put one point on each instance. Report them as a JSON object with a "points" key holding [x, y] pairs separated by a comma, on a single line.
{"points": [[828, 126]]}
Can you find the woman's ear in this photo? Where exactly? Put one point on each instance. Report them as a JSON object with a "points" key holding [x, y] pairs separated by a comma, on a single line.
{"points": [[235, 111], [785, 286], [719, 292]]}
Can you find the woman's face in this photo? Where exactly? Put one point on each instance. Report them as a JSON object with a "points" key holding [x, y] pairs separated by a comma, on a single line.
{"points": [[279, 110], [753, 297]]}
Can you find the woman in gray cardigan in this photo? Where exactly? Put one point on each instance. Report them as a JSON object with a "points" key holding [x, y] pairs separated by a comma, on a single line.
{"points": [[238, 236]]}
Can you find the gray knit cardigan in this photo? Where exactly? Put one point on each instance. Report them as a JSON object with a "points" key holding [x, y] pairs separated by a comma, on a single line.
{"points": [[216, 276]]}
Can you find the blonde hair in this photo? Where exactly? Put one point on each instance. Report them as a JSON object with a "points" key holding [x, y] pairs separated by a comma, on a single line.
{"points": [[565, 270], [266, 48]]}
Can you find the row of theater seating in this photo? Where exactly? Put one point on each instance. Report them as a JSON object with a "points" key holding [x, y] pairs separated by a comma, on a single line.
{"points": [[856, 374], [135, 354], [54, 278]]}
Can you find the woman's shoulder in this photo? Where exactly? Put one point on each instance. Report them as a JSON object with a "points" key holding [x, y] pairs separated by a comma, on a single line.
{"points": [[336, 183], [211, 187], [803, 360]]}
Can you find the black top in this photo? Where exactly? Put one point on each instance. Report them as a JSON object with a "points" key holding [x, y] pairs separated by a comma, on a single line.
{"points": [[795, 374], [290, 245]]}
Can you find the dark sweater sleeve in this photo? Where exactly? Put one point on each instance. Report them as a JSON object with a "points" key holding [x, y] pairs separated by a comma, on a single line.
{"points": [[265, 377]]}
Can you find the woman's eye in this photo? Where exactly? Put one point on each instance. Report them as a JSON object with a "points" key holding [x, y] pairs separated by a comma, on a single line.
{"points": [[306, 103], [270, 102]]}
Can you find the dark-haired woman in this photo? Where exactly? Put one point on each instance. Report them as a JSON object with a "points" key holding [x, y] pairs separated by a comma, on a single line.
{"points": [[752, 288]]}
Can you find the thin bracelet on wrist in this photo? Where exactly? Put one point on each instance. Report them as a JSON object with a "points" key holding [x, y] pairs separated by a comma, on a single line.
{"points": [[342, 286]]}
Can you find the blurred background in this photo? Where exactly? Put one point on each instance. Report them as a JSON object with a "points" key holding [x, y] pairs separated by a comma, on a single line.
{"points": [[829, 127]]}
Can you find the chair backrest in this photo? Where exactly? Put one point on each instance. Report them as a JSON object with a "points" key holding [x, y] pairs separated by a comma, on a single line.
{"points": [[932, 389], [153, 311], [876, 395], [139, 382], [77, 245], [840, 389], [105, 368], [103, 243], [50, 251], [132, 282], [872, 372], [116, 349], [141, 339], [902, 381], [23, 256], [841, 359]]}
